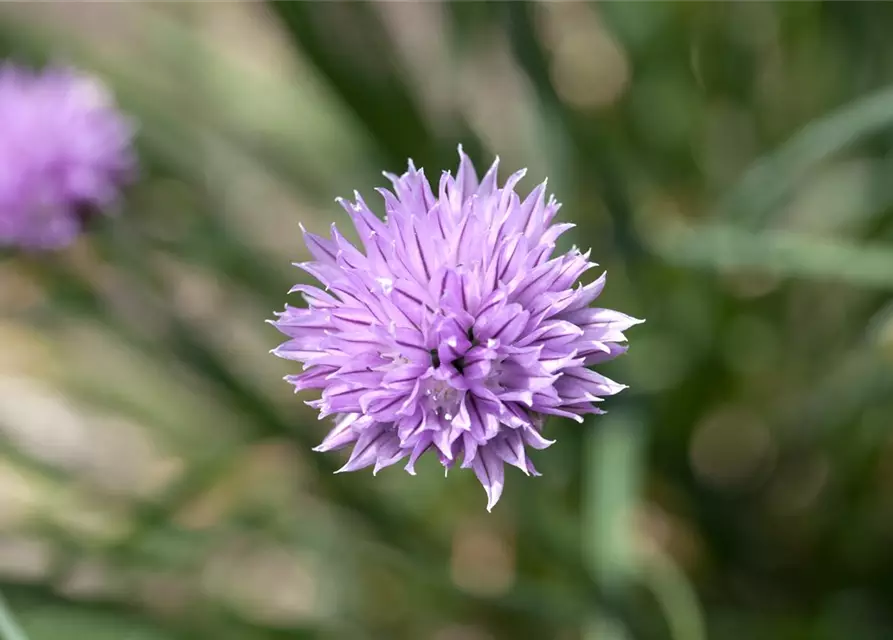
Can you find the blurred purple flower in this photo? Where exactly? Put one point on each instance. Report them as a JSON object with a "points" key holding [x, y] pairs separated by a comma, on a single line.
{"points": [[64, 152], [456, 332]]}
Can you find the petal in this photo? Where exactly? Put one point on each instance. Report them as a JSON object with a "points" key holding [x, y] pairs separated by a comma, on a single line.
{"points": [[462, 419], [517, 377], [552, 335], [553, 363], [573, 267], [367, 224], [466, 178], [524, 396], [591, 381], [468, 239], [341, 436], [534, 438], [444, 438], [483, 417], [327, 274], [502, 323], [420, 447], [509, 259], [313, 378], [597, 356], [488, 182], [410, 428], [529, 216], [529, 284], [584, 296], [320, 248], [382, 405], [404, 376], [343, 398], [606, 325], [554, 232], [293, 351], [491, 473], [469, 450], [365, 451], [316, 298], [508, 190], [351, 319], [389, 452], [462, 291], [359, 377], [510, 449], [515, 416]]}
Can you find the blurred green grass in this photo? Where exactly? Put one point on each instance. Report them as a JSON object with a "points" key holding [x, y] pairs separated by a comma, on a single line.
{"points": [[729, 166]]}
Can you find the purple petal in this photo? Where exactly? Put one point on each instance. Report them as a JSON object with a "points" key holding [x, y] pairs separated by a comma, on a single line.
{"points": [[341, 436], [489, 470], [533, 438], [320, 248], [420, 447], [365, 451], [584, 296]]}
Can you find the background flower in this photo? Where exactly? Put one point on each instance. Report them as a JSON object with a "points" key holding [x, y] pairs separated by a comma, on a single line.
{"points": [[64, 153]]}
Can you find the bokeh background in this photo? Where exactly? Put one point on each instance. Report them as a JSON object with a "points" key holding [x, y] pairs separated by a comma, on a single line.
{"points": [[731, 166]]}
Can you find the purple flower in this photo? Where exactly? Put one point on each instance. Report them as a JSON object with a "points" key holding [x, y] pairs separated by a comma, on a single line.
{"points": [[455, 331], [64, 152]]}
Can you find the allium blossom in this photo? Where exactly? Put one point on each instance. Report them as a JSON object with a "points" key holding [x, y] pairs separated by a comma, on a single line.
{"points": [[64, 153], [455, 331]]}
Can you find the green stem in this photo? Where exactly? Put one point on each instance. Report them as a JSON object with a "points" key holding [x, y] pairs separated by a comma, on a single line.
{"points": [[9, 628], [675, 596], [612, 474]]}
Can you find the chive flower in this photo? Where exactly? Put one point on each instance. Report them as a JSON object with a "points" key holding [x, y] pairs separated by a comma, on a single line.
{"points": [[454, 331], [65, 151]]}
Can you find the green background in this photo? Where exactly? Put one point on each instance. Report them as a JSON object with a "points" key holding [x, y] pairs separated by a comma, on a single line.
{"points": [[731, 167]]}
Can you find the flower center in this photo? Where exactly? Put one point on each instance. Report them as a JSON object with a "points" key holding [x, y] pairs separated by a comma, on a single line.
{"points": [[443, 399]]}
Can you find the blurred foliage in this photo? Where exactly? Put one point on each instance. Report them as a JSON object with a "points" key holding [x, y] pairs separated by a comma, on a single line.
{"points": [[729, 164]]}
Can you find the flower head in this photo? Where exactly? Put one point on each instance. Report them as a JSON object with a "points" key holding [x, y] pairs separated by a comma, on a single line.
{"points": [[64, 152], [455, 331]]}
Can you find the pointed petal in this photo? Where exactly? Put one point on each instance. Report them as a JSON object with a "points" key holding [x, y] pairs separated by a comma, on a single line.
{"points": [[420, 447], [491, 473], [365, 451], [341, 436]]}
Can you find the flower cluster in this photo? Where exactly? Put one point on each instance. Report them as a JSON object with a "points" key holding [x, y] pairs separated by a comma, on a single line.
{"points": [[456, 330], [64, 152]]}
